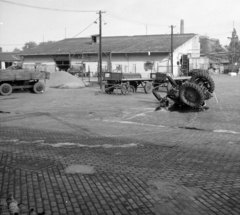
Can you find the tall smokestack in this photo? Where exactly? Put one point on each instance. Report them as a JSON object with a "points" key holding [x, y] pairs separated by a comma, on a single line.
{"points": [[182, 27]]}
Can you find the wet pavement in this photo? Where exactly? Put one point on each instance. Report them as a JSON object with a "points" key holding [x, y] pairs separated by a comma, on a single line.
{"points": [[87, 152]]}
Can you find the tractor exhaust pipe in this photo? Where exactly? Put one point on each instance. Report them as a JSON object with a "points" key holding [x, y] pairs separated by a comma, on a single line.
{"points": [[157, 96], [173, 83]]}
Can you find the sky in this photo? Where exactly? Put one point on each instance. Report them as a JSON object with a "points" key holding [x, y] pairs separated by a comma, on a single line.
{"points": [[62, 19]]}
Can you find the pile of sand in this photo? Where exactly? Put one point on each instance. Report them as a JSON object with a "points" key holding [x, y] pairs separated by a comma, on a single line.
{"points": [[64, 80]]}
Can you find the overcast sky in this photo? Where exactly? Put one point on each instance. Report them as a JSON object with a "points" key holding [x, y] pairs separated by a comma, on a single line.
{"points": [[21, 24]]}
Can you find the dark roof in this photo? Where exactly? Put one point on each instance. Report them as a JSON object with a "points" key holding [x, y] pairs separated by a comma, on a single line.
{"points": [[116, 44], [9, 56]]}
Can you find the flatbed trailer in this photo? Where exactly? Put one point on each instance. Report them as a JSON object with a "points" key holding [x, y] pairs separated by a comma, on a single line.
{"points": [[127, 82], [11, 79]]}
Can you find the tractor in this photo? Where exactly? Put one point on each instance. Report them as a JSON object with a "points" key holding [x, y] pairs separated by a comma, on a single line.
{"points": [[192, 90]]}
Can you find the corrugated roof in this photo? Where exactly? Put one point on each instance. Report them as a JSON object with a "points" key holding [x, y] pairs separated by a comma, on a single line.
{"points": [[9, 56], [116, 44]]}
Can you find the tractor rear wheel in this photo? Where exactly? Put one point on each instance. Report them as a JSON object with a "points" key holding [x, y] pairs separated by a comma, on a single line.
{"points": [[203, 80], [38, 88], [5, 89], [192, 95]]}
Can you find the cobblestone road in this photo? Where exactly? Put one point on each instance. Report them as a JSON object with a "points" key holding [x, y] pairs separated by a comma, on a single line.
{"points": [[125, 154]]}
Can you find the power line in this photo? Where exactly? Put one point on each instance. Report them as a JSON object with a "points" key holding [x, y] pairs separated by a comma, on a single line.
{"points": [[63, 41], [112, 15], [10, 44], [45, 8]]}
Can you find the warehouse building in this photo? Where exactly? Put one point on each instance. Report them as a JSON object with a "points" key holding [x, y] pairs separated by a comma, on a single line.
{"points": [[142, 54]]}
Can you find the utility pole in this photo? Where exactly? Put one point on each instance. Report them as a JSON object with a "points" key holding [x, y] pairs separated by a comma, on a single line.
{"points": [[100, 48], [172, 48]]}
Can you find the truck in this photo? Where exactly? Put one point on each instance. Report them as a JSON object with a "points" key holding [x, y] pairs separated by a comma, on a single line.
{"points": [[15, 77]]}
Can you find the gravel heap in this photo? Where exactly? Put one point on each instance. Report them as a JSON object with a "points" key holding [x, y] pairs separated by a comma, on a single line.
{"points": [[64, 80]]}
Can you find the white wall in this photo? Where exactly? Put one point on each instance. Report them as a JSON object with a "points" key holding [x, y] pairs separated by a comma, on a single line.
{"points": [[191, 47]]}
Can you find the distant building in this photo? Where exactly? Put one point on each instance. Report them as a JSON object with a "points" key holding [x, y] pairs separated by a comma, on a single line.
{"points": [[143, 54], [8, 58]]}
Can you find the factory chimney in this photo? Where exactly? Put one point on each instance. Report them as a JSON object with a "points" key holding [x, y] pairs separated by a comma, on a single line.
{"points": [[182, 27]]}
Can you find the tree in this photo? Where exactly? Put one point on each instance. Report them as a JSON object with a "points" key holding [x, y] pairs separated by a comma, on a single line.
{"points": [[29, 45], [234, 48], [16, 50], [208, 45], [204, 44], [45, 43]]}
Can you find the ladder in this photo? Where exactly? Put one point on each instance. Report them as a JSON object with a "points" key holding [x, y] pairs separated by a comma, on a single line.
{"points": [[184, 65]]}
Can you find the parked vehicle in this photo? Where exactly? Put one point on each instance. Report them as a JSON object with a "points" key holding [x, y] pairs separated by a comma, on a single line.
{"points": [[17, 78], [126, 82]]}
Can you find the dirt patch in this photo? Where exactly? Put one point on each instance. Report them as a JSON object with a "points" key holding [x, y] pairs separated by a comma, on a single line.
{"points": [[64, 80]]}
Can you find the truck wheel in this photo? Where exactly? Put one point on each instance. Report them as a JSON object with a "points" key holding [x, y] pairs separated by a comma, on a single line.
{"points": [[203, 80], [5, 89], [148, 87], [38, 88], [192, 95]]}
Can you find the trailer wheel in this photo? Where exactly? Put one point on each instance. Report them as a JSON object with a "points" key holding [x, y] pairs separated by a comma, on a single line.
{"points": [[148, 87], [123, 90], [5, 89], [38, 88], [192, 95], [131, 89]]}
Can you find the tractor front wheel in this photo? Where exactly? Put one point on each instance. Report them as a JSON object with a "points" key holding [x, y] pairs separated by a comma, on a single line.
{"points": [[5, 89], [192, 95]]}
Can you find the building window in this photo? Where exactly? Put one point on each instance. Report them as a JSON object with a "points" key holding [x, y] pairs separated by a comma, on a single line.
{"points": [[148, 65]]}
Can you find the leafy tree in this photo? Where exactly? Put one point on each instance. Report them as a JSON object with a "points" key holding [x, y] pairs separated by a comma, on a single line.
{"points": [[208, 45], [45, 43], [204, 44], [29, 45], [16, 50], [234, 48]]}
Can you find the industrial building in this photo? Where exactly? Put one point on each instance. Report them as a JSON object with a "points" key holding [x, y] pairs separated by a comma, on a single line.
{"points": [[142, 54]]}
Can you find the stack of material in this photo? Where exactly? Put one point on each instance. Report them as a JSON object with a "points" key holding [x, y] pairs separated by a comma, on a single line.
{"points": [[64, 80]]}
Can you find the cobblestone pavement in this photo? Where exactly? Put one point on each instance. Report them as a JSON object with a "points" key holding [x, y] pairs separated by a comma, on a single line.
{"points": [[86, 152]]}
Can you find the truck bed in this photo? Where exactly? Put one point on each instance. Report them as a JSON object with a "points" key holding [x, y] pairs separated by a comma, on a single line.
{"points": [[22, 75]]}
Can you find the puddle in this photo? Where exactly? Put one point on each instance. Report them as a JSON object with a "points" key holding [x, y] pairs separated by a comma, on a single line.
{"points": [[181, 109], [192, 128], [5, 112], [8, 98], [76, 168]]}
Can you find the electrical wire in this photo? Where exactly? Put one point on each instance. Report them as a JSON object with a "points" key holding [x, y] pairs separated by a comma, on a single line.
{"points": [[45, 8], [112, 15], [65, 40]]}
